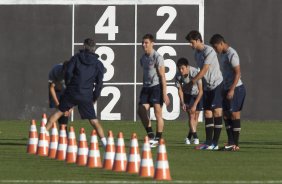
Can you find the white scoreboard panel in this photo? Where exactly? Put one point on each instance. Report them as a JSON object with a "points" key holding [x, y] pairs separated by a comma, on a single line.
{"points": [[118, 26]]}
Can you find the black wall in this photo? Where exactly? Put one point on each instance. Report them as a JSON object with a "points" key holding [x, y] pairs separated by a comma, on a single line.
{"points": [[35, 37]]}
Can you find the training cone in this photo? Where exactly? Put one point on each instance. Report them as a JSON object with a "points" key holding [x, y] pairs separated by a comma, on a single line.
{"points": [[110, 152], [42, 147], [133, 163], [54, 141], [33, 138], [146, 166], [82, 151], [44, 120], [120, 161], [62, 147], [162, 171], [94, 159], [72, 147]]}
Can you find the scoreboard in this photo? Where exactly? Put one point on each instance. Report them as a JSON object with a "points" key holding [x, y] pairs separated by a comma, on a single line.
{"points": [[118, 30]]}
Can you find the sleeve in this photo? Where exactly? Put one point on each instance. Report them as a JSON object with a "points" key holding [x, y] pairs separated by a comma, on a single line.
{"points": [[210, 57], [234, 60], [98, 82], [69, 70], [159, 61]]}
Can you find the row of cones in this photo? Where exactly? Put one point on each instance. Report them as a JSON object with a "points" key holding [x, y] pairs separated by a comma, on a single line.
{"points": [[64, 147]]}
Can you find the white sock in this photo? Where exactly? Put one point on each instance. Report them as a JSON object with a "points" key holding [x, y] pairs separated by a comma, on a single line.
{"points": [[104, 141]]}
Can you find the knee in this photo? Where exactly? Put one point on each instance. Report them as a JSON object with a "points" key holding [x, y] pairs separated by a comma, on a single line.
{"points": [[217, 112]]}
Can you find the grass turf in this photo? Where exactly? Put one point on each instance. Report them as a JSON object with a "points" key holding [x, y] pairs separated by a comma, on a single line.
{"points": [[259, 159]]}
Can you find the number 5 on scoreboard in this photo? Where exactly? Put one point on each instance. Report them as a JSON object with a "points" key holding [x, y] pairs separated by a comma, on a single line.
{"points": [[111, 29]]}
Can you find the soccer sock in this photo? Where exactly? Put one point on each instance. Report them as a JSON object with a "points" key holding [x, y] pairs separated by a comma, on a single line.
{"points": [[195, 136], [209, 130], [150, 132], [217, 129], [189, 135], [158, 136], [236, 130], [104, 141], [228, 126]]}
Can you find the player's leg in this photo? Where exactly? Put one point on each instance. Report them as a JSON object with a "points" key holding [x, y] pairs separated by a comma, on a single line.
{"points": [[160, 121], [99, 129], [53, 119], [228, 127], [195, 125], [209, 123]]}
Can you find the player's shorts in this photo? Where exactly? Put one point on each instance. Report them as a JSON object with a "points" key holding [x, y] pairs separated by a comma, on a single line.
{"points": [[190, 99], [85, 106], [151, 95], [236, 104], [213, 99], [62, 119]]}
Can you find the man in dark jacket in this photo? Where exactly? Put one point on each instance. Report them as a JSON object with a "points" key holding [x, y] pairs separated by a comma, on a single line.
{"points": [[84, 73]]}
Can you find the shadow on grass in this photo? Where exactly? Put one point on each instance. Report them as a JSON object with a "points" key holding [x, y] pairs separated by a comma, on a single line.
{"points": [[8, 143]]}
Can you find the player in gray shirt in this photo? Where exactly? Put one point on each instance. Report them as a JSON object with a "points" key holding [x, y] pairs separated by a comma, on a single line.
{"points": [[210, 73], [234, 90], [190, 98], [153, 93]]}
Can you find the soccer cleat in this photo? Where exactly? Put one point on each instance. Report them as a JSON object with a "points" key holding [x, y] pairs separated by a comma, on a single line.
{"points": [[187, 141], [201, 146], [230, 148], [212, 147], [196, 141], [153, 143]]}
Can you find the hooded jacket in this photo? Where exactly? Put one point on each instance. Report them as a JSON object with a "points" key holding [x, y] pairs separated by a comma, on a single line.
{"points": [[84, 76]]}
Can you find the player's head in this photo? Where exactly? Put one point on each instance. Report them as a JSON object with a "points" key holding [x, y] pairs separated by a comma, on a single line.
{"points": [[148, 43], [218, 43], [183, 66], [194, 38], [89, 44]]}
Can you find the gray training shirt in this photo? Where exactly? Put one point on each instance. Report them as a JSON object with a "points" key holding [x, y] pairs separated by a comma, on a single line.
{"points": [[228, 61], [183, 81], [56, 76], [150, 65], [213, 77]]}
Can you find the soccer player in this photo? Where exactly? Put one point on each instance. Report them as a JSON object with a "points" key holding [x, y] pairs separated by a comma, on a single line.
{"points": [[207, 61], [190, 99], [234, 90], [84, 80], [56, 87], [153, 92]]}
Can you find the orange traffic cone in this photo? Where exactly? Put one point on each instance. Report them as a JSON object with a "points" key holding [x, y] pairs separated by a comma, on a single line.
{"points": [[72, 147], [133, 164], [110, 152], [42, 148], [33, 138], [44, 120], [62, 147], [94, 159], [162, 168], [82, 152], [146, 166], [54, 141], [120, 160]]}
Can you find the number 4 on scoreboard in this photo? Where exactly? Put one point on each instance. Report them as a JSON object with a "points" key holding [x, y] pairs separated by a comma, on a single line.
{"points": [[111, 29]]}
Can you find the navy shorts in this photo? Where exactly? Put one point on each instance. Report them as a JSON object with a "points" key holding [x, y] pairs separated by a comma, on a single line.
{"points": [[237, 102], [213, 99], [190, 99], [62, 119], [85, 106], [151, 95]]}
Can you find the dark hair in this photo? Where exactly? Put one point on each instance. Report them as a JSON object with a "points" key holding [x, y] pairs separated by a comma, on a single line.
{"points": [[181, 62], [89, 44], [149, 36], [216, 39], [194, 35]]}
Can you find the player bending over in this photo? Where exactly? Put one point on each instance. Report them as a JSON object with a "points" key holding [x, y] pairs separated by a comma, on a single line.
{"points": [[190, 98], [234, 90], [83, 71]]}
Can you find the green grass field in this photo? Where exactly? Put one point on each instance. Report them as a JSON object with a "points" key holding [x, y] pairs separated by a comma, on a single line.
{"points": [[258, 161]]}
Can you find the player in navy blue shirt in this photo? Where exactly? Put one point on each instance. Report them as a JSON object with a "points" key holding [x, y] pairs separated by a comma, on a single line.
{"points": [[84, 80]]}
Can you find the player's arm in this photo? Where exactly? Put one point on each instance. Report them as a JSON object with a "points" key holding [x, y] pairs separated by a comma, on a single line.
{"points": [[237, 75], [181, 97], [98, 83], [200, 94], [161, 71], [53, 93], [201, 73]]}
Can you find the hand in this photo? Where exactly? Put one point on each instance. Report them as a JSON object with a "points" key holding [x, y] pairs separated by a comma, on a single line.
{"points": [[230, 94], [166, 100]]}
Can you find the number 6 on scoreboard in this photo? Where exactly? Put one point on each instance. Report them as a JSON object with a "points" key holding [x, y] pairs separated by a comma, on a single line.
{"points": [[111, 29]]}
